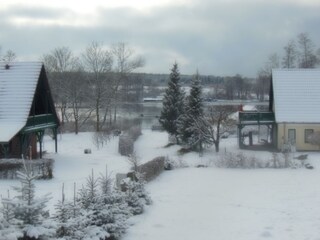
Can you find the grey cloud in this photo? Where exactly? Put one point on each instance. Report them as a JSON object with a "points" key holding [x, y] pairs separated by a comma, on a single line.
{"points": [[34, 12], [220, 39]]}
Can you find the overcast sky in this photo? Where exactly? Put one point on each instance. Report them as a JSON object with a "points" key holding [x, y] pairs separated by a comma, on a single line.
{"points": [[218, 37]]}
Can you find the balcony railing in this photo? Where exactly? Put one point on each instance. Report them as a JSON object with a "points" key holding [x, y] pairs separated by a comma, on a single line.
{"points": [[40, 122], [254, 116]]}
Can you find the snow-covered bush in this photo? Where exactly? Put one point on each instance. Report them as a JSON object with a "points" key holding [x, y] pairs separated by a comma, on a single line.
{"points": [[135, 132], [43, 168], [238, 160], [168, 163], [241, 160], [152, 169], [126, 141], [126, 145], [284, 160], [135, 194]]}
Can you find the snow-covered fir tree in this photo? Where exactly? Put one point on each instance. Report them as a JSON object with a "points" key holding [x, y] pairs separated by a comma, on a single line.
{"points": [[193, 110], [7, 210], [102, 212], [29, 214], [8, 230], [136, 195], [88, 194], [66, 214], [172, 103]]}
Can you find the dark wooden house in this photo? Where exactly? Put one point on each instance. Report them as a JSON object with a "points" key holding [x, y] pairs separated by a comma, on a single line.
{"points": [[26, 109]]}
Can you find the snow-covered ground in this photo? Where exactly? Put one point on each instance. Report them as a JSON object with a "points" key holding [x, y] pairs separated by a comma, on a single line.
{"points": [[197, 203], [224, 204]]}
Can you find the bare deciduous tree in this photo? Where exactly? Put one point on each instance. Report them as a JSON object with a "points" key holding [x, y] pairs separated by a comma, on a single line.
{"points": [[214, 124], [98, 62], [125, 64], [290, 55], [265, 75], [77, 97], [60, 63], [9, 56], [307, 55]]}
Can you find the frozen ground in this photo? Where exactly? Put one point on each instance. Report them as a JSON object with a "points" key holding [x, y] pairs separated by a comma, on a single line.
{"points": [[224, 204], [197, 203]]}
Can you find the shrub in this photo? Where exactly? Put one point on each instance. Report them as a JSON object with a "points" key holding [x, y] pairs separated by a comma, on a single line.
{"points": [[126, 141], [241, 160], [135, 132], [238, 160], [126, 145], [43, 168], [152, 169]]}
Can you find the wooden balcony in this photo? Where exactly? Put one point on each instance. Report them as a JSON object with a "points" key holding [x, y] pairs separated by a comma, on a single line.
{"points": [[256, 118], [40, 122]]}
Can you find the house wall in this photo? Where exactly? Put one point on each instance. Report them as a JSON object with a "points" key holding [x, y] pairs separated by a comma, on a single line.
{"points": [[15, 148], [300, 143]]}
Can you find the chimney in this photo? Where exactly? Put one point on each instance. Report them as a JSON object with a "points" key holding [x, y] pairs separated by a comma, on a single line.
{"points": [[7, 66]]}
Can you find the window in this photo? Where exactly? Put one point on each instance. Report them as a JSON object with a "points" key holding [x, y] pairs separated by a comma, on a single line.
{"points": [[292, 136], [307, 134]]}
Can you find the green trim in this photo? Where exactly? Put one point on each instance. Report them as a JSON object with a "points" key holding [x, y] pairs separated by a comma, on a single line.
{"points": [[39, 122], [260, 117]]}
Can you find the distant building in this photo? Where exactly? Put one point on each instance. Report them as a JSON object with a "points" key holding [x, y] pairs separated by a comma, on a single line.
{"points": [[26, 109], [293, 110]]}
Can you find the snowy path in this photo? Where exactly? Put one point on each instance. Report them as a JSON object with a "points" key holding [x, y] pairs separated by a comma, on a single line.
{"points": [[227, 204]]}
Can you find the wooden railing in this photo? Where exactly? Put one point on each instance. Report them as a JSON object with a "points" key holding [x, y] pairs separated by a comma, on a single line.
{"points": [[40, 122], [254, 116]]}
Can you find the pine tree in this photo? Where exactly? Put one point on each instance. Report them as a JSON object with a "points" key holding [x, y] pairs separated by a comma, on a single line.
{"points": [[8, 224], [172, 103], [193, 110], [8, 230], [136, 195], [29, 212], [7, 210], [103, 215], [89, 193]]}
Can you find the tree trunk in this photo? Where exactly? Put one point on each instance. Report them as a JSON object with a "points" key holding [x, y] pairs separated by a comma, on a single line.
{"points": [[115, 114], [76, 126], [98, 117], [216, 144]]}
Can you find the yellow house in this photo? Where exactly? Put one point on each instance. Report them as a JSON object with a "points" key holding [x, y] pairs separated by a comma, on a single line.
{"points": [[294, 110], [296, 105]]}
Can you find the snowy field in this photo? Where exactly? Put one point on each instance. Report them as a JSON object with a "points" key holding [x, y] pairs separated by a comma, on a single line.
{"points": [[196, 203]]}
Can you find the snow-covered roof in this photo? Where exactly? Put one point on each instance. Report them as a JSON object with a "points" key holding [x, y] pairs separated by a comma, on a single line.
{"points": [[296, 95], [18, 84]]}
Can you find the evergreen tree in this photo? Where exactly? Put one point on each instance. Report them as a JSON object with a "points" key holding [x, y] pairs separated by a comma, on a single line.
{"points": [[103, 212], [172, 103], [136, 196], [8, 230], [28, 212], [193, 110]]}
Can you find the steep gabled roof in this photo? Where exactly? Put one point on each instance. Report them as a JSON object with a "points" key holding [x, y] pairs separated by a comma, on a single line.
{"points": [[18, 82], [296, 95]]}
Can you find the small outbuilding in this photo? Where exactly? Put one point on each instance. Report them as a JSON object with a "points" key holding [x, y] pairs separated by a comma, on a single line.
{"points": [[26, 109]]}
